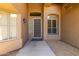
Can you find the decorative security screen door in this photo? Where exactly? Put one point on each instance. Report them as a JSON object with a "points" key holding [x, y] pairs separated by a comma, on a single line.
{"points": [[37, 29]]}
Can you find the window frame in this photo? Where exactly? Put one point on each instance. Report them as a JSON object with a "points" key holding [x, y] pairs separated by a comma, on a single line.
{"points": [[52, 33], [8, 27]]}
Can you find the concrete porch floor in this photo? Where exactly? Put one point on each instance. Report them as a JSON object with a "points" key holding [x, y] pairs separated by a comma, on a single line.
{"points": [[61, 48], [46, 48], [34, 48]]}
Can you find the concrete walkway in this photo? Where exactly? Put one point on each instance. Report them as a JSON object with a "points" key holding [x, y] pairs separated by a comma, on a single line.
{"points": [[36, 48]]}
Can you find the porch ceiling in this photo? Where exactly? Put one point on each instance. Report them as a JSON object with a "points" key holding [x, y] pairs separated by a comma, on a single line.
{"points": [[7, 7]]}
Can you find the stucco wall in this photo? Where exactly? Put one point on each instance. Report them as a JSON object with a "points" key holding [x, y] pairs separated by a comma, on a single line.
{"points": [[22, 9], [70, 25], [24, 29], [10, 45], [51, 9]]}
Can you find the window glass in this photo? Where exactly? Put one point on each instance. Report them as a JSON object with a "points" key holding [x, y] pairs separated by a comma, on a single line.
{"points": [[3, 19], [49, 23], [13, 32], [35, 14], [53, 30], [54, 23], [7, 26], [13, 26], [49, 30], [4, 32]]}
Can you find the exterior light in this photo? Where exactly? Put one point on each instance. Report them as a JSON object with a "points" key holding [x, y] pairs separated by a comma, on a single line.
{"points": [[13, 15]]}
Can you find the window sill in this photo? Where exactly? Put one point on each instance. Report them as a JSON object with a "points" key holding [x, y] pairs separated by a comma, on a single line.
{"points": [[1, 41], [52, 33]]}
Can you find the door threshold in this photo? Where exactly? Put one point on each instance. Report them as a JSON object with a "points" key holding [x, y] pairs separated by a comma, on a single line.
{"points": [[36, 39]]}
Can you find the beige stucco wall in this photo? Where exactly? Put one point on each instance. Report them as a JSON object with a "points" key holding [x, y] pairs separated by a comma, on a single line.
{"points": [[10, 45], [51, 9], [70, 25], [22, 8], [24, 29]]}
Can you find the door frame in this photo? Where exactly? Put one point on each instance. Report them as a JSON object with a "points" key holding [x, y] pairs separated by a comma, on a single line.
{"points": [[37, 17]]}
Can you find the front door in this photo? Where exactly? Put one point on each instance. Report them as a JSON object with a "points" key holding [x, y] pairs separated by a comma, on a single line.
{"points": [[37, 35]]}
